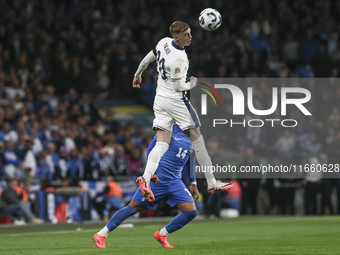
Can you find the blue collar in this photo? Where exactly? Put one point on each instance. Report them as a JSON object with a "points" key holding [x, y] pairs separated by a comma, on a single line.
{"points": [[176, 46]]}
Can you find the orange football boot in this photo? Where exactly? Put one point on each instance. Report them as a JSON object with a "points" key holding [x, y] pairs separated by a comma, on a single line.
{"points": [[162, 240], [99, 240], [145, 189]]}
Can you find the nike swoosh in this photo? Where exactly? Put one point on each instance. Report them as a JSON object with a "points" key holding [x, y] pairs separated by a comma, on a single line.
{"points": [[177, 139]]}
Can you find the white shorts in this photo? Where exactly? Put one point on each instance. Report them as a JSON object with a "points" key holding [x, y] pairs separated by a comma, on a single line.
{"points": [[170, 110]]}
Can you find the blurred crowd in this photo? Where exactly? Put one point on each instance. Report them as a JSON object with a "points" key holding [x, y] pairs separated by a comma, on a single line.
{"points": [[56, 56], [68, 141]]}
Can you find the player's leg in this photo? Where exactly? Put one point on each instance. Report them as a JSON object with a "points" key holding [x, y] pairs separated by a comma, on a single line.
{"points": [[115, 221], [189, 212], [179, 196], [204, 160], [202, 155], [155, 155], [137, 203], [120, 216], [162, 145], [163, 125], [187, 119]]}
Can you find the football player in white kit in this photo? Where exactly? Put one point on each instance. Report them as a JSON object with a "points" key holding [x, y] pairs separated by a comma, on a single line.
{"points": [[171, 105]]}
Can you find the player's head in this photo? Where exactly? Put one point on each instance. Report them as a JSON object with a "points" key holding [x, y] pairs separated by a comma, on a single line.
{"points": [[181, 33]]}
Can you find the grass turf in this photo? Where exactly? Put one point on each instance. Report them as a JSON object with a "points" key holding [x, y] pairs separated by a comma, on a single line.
{"points": [[244, 235]]}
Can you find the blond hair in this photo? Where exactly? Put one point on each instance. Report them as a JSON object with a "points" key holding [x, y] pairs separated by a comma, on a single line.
{"points": [[178, 27]]}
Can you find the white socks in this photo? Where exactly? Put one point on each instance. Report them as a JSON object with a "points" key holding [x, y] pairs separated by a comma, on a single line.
{"points": [[104, 232], [153, 160], [163, 232], [204, 159]]}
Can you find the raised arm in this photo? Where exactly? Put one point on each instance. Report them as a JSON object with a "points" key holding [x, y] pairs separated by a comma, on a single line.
{"points": [[150, 57]]}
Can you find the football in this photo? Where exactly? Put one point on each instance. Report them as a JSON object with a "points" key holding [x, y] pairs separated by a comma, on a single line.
{"points": [[210, 19]]}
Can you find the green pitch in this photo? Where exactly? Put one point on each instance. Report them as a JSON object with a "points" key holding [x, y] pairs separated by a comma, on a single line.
{"points": [[245, 235]]}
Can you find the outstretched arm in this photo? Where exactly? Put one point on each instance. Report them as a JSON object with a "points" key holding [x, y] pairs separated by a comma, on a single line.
{"points": [[150, 57]]}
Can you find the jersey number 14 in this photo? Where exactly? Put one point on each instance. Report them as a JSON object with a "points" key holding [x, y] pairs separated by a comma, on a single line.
{"points": [[181, 154]]}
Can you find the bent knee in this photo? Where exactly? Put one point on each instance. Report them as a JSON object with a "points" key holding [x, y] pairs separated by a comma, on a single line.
{"points": [[193, 133], [136, 206], [191, 214]]}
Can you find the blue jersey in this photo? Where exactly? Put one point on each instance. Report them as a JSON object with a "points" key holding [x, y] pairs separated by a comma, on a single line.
{"points": [[169, 171], [176, 157]]}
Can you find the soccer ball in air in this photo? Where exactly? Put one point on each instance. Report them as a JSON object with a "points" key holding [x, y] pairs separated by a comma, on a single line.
{"points": [[210, 19]]}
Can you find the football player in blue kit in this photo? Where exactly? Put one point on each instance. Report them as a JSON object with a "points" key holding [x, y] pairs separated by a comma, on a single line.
{"points": [[166, 183]]}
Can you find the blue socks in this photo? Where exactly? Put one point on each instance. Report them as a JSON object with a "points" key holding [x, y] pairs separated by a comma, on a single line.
{"points": [[177, 223], [120, 216], [180, 221]]}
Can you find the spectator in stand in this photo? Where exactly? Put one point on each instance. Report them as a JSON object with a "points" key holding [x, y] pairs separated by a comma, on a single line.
{"points": [[63, 171], [44, 171], [8, 130], [232, 199], [76, 165], [14, 202], [82, 139], [20, 149], [2, 171], [212, 203], [110, 199], [29, 160], [134, 162], [113, 196], [110, 122], [312, 183], [249, 184], [140, 140], [54, 137], [37, 143], [105, 163], [286, 194], [285, 146], [120, 165], [310, 147], [68, 139], [10, 159], [52, 158], [309, 46], [327, 187], [91, 166]]}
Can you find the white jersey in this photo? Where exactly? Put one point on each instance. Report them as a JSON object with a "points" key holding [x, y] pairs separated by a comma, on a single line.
{"points": [[172, 64]]}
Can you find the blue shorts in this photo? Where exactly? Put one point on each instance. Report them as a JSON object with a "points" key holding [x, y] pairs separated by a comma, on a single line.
{"points": [[174, 190]]}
